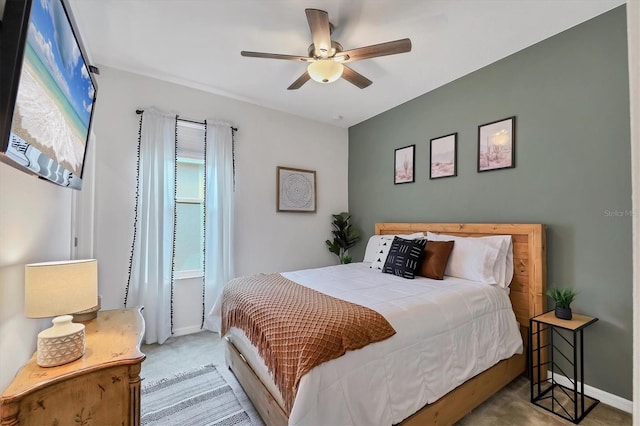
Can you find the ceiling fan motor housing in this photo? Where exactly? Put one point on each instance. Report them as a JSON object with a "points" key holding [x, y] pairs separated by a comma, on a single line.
{"points": [[335, 48]]}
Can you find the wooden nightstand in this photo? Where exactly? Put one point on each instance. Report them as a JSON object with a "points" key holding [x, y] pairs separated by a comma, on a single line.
{"points": [[567, 401], [101, 388]]}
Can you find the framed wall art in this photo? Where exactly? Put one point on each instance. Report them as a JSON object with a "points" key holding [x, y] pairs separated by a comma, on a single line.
{"points": [[296, 190], [496, 145], [404, 163], [443, 156]]}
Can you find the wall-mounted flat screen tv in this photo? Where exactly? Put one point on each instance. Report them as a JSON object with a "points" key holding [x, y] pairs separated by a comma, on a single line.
{"points": [[47, 91]]}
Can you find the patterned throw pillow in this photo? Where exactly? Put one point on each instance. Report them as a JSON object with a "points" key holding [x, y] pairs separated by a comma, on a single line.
{"points": [[381, 254], [378, 255], [405, 257]]}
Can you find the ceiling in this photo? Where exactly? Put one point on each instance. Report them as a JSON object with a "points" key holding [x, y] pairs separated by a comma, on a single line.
{"points": [[197, 43]]}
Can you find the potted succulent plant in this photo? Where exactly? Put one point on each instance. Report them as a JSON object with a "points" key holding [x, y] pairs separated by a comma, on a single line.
{"points": [[344, 237], [562, 297]]}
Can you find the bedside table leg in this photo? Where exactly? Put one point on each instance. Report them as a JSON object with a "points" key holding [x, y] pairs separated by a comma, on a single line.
{"points": [[575, 377], [581, 374], [538, 337], [531, 377], [134, 394]]}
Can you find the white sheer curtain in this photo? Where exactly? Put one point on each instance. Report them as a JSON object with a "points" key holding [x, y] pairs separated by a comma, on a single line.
{"points": [[150, 279], [219, 222]]}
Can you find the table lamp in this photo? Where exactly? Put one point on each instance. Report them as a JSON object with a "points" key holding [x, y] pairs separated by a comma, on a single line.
{"points": [[60, 288]]}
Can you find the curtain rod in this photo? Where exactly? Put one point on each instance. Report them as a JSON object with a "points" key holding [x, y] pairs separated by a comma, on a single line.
{"points": [[140, 111]]}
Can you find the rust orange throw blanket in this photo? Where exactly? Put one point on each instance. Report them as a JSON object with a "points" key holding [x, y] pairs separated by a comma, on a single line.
{"points": [[296, 328]]}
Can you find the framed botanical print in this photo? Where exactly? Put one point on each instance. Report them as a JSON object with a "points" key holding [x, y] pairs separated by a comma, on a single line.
{"points": [[404, 163], [496, 145], [443, 156]]}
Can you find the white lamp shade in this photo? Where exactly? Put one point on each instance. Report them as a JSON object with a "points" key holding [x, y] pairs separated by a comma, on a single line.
{"points": [[59, 288], [325, 70]]}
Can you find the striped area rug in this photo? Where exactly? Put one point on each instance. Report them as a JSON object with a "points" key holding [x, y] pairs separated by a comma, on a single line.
{"points": [[195, 397]]}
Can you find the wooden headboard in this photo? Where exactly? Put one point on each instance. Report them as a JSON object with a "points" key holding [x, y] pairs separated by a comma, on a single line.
{"points": [[529, 284]]}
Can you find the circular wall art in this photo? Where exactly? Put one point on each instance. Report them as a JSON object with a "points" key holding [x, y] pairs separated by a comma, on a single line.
{"points": [[296, 190]]}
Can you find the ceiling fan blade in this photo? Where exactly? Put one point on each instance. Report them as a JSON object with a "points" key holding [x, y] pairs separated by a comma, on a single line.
{"points": [[275, 56], [382, 49], [320, 31], [300, 81], [355, 78]]}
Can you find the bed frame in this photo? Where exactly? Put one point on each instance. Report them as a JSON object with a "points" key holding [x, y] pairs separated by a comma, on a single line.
{"points": [[528, 299]]}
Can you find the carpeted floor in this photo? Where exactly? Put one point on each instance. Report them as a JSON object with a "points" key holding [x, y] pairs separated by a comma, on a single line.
{"points": [[510, 406]]}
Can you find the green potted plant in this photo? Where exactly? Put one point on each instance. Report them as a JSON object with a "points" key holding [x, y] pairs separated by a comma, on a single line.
{"points": [[344, 237], [562, 297]]}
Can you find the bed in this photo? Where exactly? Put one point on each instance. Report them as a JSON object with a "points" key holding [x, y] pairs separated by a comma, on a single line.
{"points": [[525, 299]]}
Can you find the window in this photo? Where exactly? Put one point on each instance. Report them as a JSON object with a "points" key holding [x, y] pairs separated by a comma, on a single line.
{"points": [[189, 226]]}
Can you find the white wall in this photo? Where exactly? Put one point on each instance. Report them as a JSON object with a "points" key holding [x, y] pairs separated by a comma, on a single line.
{"points": [[266, 241], [35, 226], [633, 36]]}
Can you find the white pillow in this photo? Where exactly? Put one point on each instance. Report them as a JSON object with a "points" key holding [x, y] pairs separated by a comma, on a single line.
{"points": [[504, 263], [508, 275], [378, 248], [487, 259]]}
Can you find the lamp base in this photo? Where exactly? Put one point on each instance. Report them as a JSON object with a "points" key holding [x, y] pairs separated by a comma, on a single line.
{"points": [[88, 314], [60, 344]]}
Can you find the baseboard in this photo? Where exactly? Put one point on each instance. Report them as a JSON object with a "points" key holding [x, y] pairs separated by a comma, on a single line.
{"points": [[604, 397], [186, 330]]}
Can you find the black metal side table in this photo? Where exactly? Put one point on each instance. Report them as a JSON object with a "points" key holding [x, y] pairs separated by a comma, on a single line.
{"points": [[546, 341]]}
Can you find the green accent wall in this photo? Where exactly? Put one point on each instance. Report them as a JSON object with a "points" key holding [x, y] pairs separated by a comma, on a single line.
{"points": [[570, 96]]}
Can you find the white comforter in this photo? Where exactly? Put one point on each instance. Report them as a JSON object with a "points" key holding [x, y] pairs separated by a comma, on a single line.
{"points": [[446, 332]]}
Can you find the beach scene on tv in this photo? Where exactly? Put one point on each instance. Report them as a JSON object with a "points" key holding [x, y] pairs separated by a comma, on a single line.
{"points": [[55, 95]]}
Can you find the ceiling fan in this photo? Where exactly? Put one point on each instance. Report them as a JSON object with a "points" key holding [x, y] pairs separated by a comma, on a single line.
{"points": [[327, 59]]}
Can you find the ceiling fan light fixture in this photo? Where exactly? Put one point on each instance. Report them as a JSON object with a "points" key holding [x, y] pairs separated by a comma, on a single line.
{"points": [[325, 70]]}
